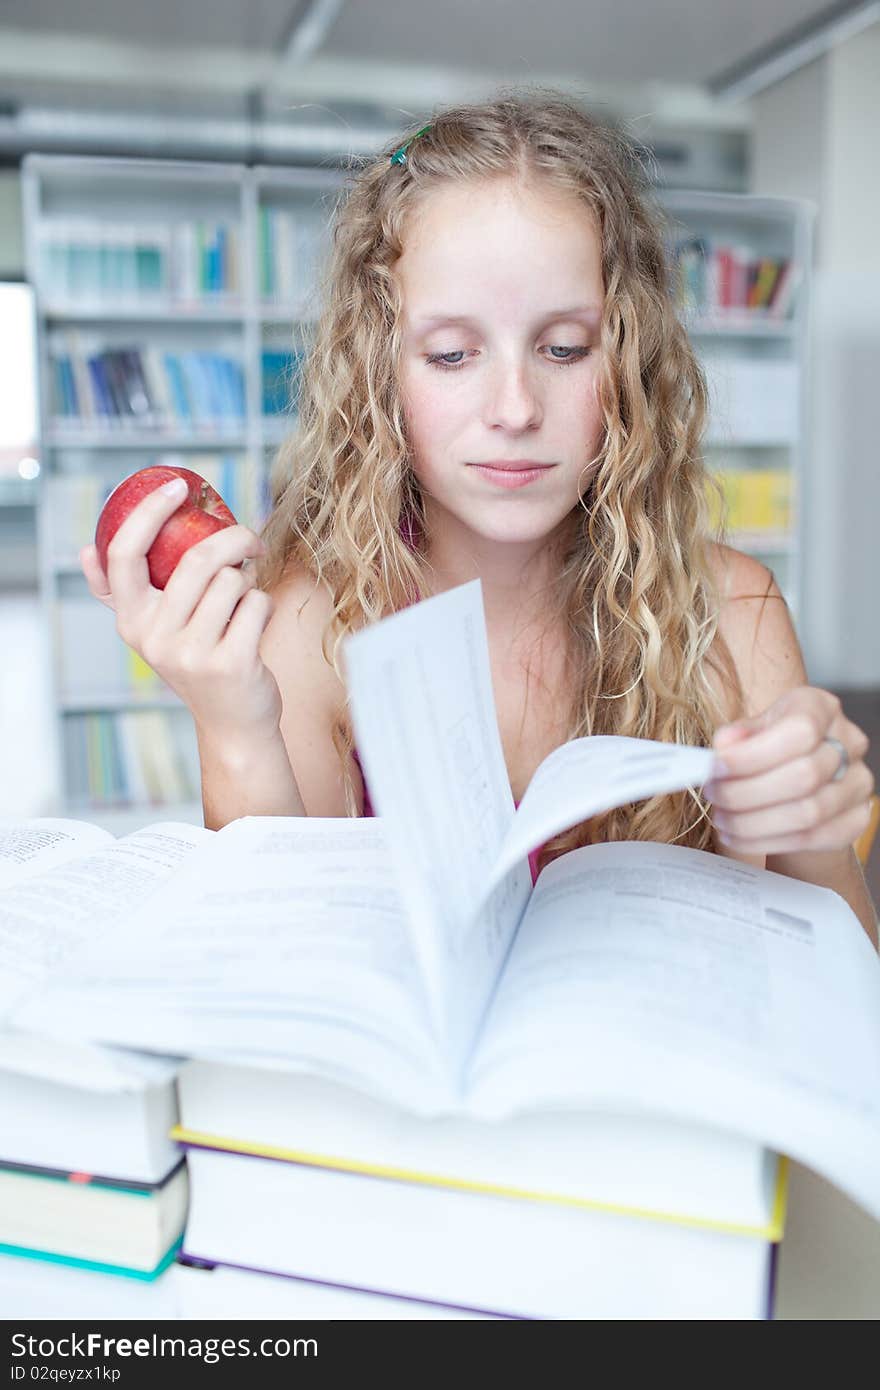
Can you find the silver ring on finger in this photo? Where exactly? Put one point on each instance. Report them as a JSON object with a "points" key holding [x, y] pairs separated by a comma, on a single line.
{"points": [[843, 765]]}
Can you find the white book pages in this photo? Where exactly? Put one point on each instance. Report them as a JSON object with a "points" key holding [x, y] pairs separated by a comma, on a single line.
{"points": [[47, 921], [590, 775], [31, 847], [427, 733], [664, 980], [284, 941]]}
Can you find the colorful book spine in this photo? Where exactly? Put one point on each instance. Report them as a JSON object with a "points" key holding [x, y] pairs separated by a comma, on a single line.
{"points": [[716, 278]]}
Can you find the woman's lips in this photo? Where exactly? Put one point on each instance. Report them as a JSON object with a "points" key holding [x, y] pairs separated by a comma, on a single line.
{"points": [[516, 476]]}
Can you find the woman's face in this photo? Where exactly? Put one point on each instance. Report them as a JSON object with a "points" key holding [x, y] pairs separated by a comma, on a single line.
{"points": [[502, 299]]}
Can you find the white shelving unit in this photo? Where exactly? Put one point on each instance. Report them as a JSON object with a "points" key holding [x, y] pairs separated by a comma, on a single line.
{"points": [[87, 219], [267, 306], [756, 362]]}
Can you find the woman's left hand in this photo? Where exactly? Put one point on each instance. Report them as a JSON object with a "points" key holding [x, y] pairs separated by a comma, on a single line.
{"points": [[794, 778]]}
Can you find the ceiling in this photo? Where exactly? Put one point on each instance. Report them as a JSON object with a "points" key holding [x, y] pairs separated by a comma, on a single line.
{"points": [[396, 53]]}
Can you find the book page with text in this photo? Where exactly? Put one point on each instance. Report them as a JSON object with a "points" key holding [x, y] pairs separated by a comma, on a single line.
{"points": [[658, 979], [427, 734], [284, 942], [31, 846], [48, 919], [590, 775]]}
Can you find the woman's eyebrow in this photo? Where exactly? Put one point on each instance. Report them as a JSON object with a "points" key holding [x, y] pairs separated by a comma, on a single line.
{"points": [[586, 311]]}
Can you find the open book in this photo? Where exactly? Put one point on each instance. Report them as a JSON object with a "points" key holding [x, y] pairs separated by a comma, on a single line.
{"points": [[410, 959]]}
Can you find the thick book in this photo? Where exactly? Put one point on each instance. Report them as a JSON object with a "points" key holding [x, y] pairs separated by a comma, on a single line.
{"points": [[219, 1292], [39, 1290], [469, 1251], [92, 1221], [86, 1109], [411, 958]]}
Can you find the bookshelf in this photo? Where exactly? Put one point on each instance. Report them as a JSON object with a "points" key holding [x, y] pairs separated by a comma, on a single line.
{"points": [[172, 301], [744, 266]]}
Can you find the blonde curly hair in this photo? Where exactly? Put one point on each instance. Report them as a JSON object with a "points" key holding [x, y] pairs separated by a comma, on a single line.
{"points": [[637, 587]]}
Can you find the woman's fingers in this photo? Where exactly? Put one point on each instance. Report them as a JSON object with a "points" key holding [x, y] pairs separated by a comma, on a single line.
{"points": [[249, 621], [797, 779], [805, 816], [127, 568], [842, 830], [188, 586], [95, 576], [227, 589]]}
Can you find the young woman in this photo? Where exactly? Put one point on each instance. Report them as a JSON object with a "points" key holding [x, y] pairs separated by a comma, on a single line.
{"points": [[500, 387]]}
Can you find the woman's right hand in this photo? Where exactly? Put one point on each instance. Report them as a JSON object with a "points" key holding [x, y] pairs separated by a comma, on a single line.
{"points": [[201, 634]]}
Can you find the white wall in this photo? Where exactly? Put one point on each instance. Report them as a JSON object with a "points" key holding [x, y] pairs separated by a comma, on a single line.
{"points": [[817, 135]]}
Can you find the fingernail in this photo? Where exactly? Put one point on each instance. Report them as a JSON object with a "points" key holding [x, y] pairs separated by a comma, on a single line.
{"points": [[176, 488], [720, 768]]}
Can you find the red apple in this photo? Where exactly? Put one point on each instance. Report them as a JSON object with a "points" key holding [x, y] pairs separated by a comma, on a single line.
{"points": [[201, 513]]}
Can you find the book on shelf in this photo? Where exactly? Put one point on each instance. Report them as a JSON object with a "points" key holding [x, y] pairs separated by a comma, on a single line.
{"points": [[413, 959], [289, 245], [131, 757], [141, 389], [716, 278], [89, 1175], [281, 377], [756, 499], [183, 261]]}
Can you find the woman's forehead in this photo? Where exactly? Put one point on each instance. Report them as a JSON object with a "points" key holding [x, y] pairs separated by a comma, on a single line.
{"points": [[502, 200], [475, 247]]}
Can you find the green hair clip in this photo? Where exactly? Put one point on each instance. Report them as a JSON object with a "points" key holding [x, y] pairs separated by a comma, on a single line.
{"points": [[399, 156]]}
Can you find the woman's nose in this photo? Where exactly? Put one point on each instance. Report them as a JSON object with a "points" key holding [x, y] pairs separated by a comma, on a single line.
{"points": [[513, 402]]}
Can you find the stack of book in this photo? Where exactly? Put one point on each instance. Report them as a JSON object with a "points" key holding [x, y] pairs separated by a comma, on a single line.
{"points": [[290, 241], [758, 501], [547, 1215], [472, 1090], [718, 279], [93, 1192], [182, 262], [142, 388]]}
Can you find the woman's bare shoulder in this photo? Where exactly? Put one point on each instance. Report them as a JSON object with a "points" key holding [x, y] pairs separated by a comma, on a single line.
{"points": [[740, 577], [302, 608], [755, 623], [313, 695]]}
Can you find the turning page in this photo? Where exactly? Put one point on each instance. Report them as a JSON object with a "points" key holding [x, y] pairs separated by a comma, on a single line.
{"points": [[590, 775], [427, 733], [424, 719]]}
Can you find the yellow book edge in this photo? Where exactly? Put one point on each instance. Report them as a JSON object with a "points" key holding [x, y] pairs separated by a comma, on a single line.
{"points": [[772, 1231]]}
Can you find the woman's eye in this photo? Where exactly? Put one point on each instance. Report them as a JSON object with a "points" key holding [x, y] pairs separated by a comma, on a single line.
{"points": [[444, 360], [576, 353], [437, 359]]}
